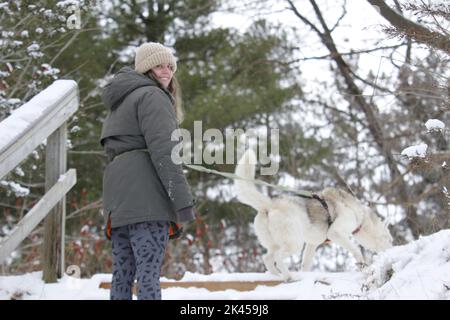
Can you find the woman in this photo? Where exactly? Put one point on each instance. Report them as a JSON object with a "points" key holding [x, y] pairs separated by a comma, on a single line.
{"points": [[144, 192]]}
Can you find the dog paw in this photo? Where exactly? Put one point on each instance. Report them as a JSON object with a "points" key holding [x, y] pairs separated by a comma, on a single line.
{"points": [[361, 265], [291, 279], [273, 270]]}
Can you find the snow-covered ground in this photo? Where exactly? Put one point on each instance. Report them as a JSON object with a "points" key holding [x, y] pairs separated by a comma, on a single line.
{"points": [[419, 270]]}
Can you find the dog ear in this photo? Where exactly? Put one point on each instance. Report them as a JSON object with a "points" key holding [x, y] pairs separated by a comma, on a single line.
{"points": [[378, 219], [374, 217]]}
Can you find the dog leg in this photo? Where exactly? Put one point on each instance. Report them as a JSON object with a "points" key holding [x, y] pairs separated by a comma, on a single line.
{"points": [[280, 265], [308, 256], [269, 262], [345, 242]]}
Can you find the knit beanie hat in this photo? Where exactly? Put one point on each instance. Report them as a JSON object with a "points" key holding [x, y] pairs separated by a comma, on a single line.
{"points": [[151, 54]]}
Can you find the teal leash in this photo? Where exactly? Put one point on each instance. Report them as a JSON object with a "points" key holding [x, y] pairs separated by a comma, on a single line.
{"points": [[305, 194]]}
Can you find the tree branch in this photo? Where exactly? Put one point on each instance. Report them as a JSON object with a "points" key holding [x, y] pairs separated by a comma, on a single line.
{"points": [[409, 28]]}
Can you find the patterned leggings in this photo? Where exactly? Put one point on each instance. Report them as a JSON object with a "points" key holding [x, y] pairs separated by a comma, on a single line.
{"points": [[138, 250]]}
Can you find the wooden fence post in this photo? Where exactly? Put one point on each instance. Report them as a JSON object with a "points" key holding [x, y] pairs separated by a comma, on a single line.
{"points": [[54, 224]]}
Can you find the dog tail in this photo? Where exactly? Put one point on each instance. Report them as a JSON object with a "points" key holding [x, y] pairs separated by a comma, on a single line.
{"points": [[246, 191]]}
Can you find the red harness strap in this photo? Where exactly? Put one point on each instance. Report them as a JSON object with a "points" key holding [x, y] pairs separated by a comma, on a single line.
{"points": [[357, 229]]}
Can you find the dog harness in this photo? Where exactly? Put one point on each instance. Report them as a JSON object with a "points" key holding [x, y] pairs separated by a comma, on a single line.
{"points": [[325, 206], [322, 202]]}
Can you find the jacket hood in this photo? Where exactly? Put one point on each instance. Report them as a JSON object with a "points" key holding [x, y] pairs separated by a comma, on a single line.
{"points": [[124, 82]]}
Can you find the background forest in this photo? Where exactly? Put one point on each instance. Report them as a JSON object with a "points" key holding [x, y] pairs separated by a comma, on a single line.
{"points": [[349, 84]]}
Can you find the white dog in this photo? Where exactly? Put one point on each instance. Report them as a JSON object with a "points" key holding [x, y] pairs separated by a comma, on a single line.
{"points": [[284, 224]]}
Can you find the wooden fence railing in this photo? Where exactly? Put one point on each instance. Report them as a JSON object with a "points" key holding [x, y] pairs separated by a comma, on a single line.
{"points": [[43, 117]]}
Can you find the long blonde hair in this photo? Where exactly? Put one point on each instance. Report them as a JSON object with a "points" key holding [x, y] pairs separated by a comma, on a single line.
{"points": [[175, 90]]}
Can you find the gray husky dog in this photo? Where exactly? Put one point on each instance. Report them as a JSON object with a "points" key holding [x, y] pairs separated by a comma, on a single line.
{"points": [[284, 224]]}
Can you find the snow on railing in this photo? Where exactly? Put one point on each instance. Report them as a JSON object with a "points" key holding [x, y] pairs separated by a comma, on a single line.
{"points": [[42, 118]]}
